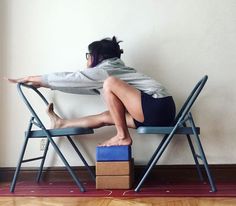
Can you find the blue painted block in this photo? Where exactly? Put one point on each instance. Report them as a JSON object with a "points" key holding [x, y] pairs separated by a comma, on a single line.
{"points": [[113, 153]]}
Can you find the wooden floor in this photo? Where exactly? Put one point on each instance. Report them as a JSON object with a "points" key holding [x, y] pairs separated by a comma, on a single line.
{"points": [[68, 201]]}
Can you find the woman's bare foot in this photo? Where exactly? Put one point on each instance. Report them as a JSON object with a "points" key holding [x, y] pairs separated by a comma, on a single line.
{"points": [[117, 141], [56, 121]]}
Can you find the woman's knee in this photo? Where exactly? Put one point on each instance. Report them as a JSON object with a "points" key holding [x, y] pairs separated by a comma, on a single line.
{"points": [[106, 117], [109, 83]]}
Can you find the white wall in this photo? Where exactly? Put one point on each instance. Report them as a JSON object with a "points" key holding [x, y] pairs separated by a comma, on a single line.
{"points": [[174, 41], [2, 51]]}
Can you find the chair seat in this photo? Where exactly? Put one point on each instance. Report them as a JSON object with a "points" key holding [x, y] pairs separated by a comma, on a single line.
{"points": [[62, 132], [166, 130]]}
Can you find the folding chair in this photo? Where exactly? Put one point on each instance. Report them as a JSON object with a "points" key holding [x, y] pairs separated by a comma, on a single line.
{"points": [[42, 132], [180, 127]]}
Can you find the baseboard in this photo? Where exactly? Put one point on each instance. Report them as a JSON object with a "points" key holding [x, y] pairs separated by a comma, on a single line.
{"points": [[224, 173]]}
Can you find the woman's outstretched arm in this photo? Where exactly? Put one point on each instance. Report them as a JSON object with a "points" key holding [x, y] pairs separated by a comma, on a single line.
{"points": [[35, 81]]}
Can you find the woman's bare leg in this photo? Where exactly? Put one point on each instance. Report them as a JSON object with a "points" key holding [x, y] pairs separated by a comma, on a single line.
{"points": [[121, 97], [93, 121]]}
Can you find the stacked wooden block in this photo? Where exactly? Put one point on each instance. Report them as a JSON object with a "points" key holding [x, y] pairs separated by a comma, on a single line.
{"points": [[114, 167]]}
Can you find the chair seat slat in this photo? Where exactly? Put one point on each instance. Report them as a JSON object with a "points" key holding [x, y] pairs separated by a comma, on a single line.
{"points": [[166, 130], [61, 132]]}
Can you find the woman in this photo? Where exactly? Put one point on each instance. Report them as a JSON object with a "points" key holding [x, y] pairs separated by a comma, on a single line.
{"points": [[133, 99]]}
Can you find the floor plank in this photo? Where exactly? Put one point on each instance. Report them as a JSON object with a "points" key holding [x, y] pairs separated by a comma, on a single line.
{"points": [[68, 201]]}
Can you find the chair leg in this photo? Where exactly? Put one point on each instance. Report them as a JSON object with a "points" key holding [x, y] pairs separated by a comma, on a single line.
{"points": [[38, 178], [76, 179], [155, 159], [82, 158], [195, 158], [17, 171], [202, 154]]}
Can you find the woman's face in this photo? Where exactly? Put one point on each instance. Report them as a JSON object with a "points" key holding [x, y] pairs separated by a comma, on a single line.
{"points": [[89, 60]]}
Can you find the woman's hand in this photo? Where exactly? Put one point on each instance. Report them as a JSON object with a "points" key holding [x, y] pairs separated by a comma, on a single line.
{"points": [[35, 81]]}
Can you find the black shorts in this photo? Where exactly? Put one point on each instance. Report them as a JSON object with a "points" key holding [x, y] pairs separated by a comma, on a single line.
{"points": [[156, 111]]}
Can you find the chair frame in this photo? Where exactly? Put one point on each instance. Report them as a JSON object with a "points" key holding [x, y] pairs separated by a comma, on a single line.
{"points": [[48, 134], [180, 127]]}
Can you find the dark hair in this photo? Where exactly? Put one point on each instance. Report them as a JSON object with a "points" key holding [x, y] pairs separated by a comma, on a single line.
{"points": [[104, 49]]}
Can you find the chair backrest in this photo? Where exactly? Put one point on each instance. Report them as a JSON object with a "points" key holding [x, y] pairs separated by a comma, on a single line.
{"points": [[190, 100], [28, 104]]}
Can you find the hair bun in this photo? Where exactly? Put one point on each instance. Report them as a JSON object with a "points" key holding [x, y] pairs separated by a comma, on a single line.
{"points": [[114, 39]]}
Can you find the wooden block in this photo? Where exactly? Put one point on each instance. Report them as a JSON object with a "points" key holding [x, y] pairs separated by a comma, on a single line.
{"points": [[113, 153], [114, 182], [114, 168]]}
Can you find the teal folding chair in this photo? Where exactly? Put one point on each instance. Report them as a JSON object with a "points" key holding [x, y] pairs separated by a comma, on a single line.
{"points": [[183, 118], [49, 134]]}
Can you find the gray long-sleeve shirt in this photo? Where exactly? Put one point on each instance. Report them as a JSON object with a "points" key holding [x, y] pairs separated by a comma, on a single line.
{"points": [[90, 80]]}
